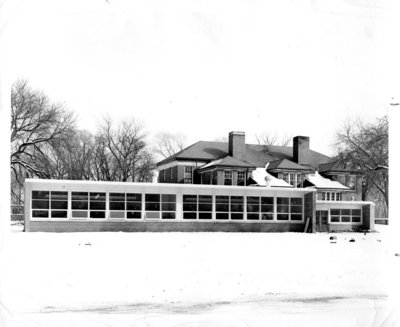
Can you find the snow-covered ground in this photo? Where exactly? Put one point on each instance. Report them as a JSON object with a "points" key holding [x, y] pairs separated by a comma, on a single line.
{"points": [[199, 279]]}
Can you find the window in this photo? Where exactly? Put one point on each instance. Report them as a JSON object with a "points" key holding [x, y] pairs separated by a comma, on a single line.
{"points": [[260, 208], [222, 207], [227, 177], [160, 206], [236, 207], [345, 216], [241, 178], [168, 206], [289, 208], [331, 196], [97, 205], [117, 205], [59, 204], [293, 179], [197, 206], [188, 175], [205, 206], [286, 178], [40, 204], [46, 204], [80, 204], [133, 205]]}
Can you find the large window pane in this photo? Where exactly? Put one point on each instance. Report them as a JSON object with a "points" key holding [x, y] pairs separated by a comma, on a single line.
{"points": [[59, 204]]}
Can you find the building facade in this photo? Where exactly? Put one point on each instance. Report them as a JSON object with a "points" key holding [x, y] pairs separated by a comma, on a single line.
{"points": [[235, 163], [212, 186]]}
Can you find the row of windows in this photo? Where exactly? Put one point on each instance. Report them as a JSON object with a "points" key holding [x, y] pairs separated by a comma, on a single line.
{"points": [[346, 215], [331, 196], [52, 204]]}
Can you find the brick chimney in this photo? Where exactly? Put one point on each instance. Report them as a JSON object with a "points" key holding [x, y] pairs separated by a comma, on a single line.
{"points": [[300, 146], [237, 145]]}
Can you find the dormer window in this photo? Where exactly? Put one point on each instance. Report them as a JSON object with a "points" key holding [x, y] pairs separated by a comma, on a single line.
{"points": [[228, 177], [241, 177], [188, 177], [294, 179]]}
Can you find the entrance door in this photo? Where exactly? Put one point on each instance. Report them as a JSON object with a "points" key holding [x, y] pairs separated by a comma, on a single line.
{"points": [[321, 221]]}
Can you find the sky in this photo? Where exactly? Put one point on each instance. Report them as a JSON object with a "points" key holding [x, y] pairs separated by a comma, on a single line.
{"points": [[205, 68]]}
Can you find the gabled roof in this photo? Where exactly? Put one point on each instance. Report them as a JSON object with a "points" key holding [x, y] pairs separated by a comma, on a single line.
{"points": [[285, 164], [324, 183], [255, 155], [227, 161]]}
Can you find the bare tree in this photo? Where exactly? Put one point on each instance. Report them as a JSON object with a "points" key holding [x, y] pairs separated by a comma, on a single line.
{"points": [[122, 148], [71, 157], [273, 139], [364, 146], [167, 144], [35, 123]]}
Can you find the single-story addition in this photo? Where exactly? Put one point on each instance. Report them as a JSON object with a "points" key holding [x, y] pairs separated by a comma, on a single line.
{"points": [[77, 206]]}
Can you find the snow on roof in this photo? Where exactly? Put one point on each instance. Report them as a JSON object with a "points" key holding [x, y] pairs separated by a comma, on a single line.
{"points": [[262, 178], [321, 182]]}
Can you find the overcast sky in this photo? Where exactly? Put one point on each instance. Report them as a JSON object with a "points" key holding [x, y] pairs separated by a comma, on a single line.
{"points": [[204, 68]]}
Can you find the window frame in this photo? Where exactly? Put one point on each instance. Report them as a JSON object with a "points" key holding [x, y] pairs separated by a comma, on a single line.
{"points": [[188, 180], [346, 215], [230, 172]]}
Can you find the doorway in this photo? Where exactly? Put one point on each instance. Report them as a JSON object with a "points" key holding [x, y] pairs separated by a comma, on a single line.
{"points": [[321, 221]]}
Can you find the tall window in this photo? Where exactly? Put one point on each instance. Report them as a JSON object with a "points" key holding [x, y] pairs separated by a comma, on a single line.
{"points": [[80, 204], [133, 205], [117, 205], [188, 175], [227, 177], [97, 206], [241, 178]]}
